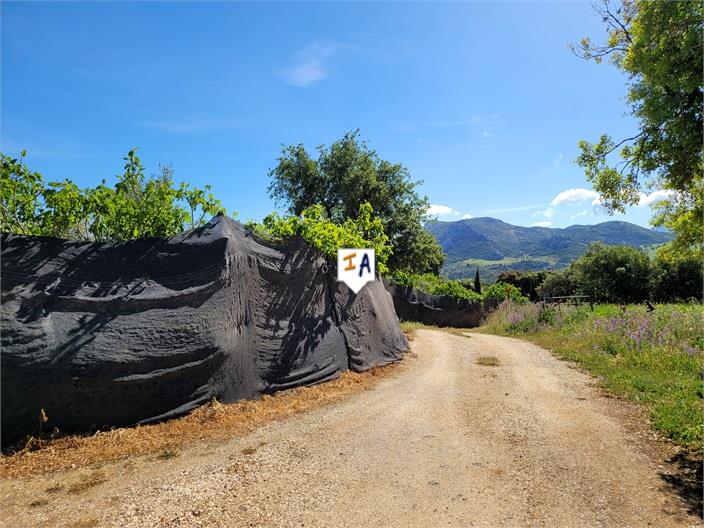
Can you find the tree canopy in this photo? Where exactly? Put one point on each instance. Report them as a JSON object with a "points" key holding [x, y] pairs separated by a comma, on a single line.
{"points": [[313, 224], [613, 273], [348, 174], [625, 274], [659, 46], [136, 207]]}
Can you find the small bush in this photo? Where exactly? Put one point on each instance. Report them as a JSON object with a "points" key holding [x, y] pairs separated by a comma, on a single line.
{"points": [[504, 292], [436, 285], [317, 229]]}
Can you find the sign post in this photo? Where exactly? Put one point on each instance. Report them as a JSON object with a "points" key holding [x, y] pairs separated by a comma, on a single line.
{"points": [[356, 267]]}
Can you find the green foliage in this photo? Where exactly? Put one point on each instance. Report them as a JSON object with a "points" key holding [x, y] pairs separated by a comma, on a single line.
{"points": [[526, 281], [462, 290], [348, 174], [559, 283], [313, 224], [135, 207], [435, 285], [625, 274], [659, 46], [613, 273], [654, 358], [679, 280], [20, 194], [477, 283], [502, 291]]}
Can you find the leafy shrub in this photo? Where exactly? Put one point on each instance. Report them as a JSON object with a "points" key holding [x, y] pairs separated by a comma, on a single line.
{"points": [[526, 281], [501, 291], [136, 207], [613, 273], [623, 274], [557, 284], [435, 285], [679, 280], [365, 231]]}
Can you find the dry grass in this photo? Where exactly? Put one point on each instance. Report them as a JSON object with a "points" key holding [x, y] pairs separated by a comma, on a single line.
{"points": [[209, 422], [488, 361], [167, 454], [87, 482]]}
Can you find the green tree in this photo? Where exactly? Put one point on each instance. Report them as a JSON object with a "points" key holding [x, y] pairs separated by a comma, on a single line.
{"points": [[348, 174], [20, 197], [477, 283], [65, 212], [679, 280], [527, 281], [501, 291], [560, 283], [135, 207], [313, 224], [659, 46], [613, 273]]}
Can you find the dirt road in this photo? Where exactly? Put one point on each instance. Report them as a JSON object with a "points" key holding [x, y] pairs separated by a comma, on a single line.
{"points": [[451, 440]]}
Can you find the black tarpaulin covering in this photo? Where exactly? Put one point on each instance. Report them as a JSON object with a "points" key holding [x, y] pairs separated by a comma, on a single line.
{"points": [[439, 310], [110, 334]]}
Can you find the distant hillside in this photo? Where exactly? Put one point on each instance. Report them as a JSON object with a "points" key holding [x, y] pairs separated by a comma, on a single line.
{"points": [[494, 246]]}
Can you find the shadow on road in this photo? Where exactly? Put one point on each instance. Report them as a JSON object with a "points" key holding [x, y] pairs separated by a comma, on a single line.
{"points": [[687, 481]]}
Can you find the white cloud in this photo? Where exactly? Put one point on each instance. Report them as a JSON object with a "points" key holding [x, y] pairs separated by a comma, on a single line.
{"points": [[557, 160], [547, 213], [466, 216], [543, 223], [575, 195], [485, 134], [442, 210], [309, 64], [598, 207], [584, 212], [655, 196]]}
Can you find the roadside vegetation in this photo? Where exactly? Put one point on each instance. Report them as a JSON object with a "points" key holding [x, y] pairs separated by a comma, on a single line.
{"points": [[464, 290], [314, 225], [135, 207], [655, 358], [659, 46], [618, 274], [349, 173]]}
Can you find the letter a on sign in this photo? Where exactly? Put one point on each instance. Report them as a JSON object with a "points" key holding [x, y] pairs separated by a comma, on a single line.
{"points": [[356, 267]]}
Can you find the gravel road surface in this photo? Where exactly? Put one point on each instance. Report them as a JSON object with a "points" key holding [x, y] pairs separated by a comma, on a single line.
{"points": [[473, 431]]}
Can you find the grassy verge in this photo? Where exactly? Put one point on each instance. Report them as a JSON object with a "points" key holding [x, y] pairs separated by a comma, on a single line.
{"points": [[654, 358]]}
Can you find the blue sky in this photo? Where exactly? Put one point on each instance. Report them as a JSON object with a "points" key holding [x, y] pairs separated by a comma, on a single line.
{"points": [[482, 101]]}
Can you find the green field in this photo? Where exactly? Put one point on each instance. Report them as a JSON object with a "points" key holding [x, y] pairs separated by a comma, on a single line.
{"points": [[656, 358]]}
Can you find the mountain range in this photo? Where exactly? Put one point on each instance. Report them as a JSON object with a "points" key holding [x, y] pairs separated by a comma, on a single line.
{"points": [[494, 246]]}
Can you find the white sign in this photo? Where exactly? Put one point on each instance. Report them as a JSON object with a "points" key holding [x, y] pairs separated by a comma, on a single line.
{"points": [[356, 267]]}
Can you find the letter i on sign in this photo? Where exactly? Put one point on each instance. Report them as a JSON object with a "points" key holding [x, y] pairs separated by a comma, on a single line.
{"points": [[356, 267]]}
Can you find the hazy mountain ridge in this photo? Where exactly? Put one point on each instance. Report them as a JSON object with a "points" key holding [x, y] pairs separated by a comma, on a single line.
{"points": [[494, 246]]}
